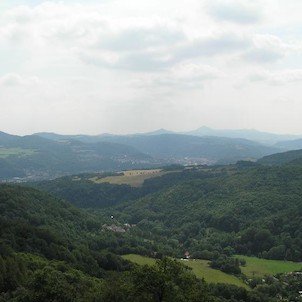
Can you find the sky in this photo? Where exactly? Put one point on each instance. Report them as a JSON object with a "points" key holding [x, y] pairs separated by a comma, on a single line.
{"points": [[131, 66]]}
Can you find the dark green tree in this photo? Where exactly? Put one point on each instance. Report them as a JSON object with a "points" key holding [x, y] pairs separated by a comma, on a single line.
{"points": [[168, 280]]}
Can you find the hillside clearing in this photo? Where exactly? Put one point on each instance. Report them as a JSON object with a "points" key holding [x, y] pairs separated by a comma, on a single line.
{"points": [[200, 268], [256, 267], [134, 178]]}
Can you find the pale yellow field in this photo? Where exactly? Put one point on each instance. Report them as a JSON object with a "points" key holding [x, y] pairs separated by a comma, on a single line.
{"points": [[134, 178]]}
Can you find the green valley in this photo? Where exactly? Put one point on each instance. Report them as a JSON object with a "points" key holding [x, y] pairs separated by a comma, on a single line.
{"points": [[239, 224]]}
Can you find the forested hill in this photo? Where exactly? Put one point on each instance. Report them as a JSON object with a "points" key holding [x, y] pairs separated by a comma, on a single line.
{"points": [[95, 191], [34, 157], [245, 208], [177, 146], [290, 157], [293, 144], [181, 148], [51, 251], [35, 222], [255, 211]]}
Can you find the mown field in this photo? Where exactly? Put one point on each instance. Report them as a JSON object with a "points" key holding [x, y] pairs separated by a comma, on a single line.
{"points": [[256, 267], [199, 267], [134, 178], [6, 152]]}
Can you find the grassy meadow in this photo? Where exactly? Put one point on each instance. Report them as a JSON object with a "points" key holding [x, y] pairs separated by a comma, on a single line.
{"points": [[256, 267], [138, 259], [200, 268], [134, 178]]}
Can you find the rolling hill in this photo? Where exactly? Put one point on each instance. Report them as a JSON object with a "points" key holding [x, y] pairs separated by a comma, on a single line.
{"points": [[50, 250], [177, 146], [34, 157], [250, 134], [293, 157], [290, 144], [252, 210], [50, 155], [184, 149]]}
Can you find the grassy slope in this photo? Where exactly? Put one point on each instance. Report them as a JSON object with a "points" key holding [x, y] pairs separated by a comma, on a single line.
{"points": [[199, 267], [256, 267], [202, 270], [141, 260]]}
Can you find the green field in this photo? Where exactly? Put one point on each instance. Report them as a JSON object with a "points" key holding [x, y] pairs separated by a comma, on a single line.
{"points": [[202, 269], [199, 267], [6, 152], [256, 267], [141, 260], [134, 178]]}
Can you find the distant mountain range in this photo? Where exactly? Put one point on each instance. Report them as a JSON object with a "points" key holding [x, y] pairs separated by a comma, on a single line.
{"points": [[179, 147], [265, 138], [293, 157], [48, 155], [35, 157], [290, 145], [251, 134]]}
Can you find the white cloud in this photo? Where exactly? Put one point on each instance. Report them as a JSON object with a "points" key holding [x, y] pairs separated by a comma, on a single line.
{"points": [[263, 55], [269, 49], [11, 80], [277, 78], [149, 46], [138, 38], [181, 76], [111, 61], [214, 45], [160, 54], [237, 11]]}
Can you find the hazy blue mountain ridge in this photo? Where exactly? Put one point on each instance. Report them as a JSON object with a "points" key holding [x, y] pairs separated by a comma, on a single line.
{"points": [[293, 157], [48, 155], [179, 146], [37, 157], [250, 134], [290, 144]]}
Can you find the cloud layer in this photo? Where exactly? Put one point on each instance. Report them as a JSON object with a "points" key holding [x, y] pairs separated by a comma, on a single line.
{"points": [[127, 66]]}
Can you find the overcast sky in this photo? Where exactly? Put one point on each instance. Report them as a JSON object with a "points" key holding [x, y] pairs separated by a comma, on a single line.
{"points": [[127, 66]]}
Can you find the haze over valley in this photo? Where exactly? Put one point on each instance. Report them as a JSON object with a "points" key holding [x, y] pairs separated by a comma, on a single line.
{"points": [[49, 155]]}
